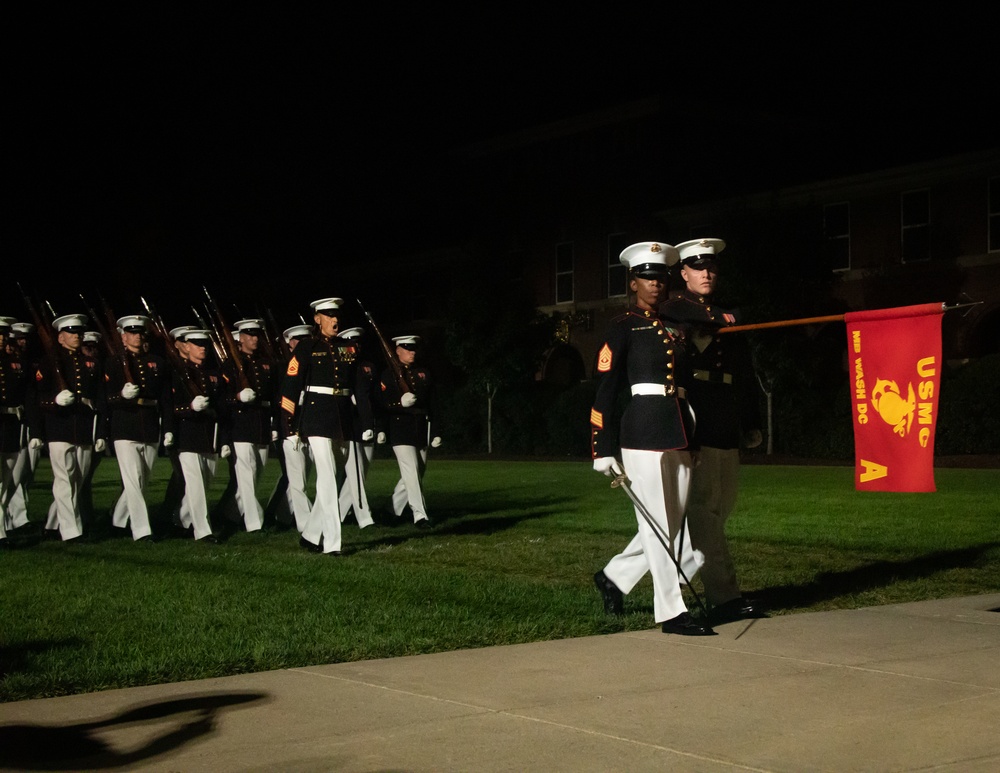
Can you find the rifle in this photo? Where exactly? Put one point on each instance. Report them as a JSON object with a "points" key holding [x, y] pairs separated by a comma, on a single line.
{"points": [[286, 350], [114, 341], [390, 356], [268, 346], [226, 337], [44, 330], [101, 328], [175, 359], [212, 334]]}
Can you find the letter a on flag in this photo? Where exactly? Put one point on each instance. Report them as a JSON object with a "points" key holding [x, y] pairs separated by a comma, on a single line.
{"points": [[894, 356]]}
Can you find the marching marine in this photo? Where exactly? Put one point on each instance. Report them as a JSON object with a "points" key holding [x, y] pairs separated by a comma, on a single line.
{"points": [[23, 346], [353, 496], [290, 498], [140, 412], [65, 404], [316, 409], [173, 498], [13, 385], [406, 396], [645, 354], [198, 395], [724, 396], [252, 389]]}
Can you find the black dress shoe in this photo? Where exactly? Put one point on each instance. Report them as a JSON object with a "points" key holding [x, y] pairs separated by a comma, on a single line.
{"points": [[685, 625], [737, 609], [423, 523], [614, 599], [307, 545], [211, 539]]}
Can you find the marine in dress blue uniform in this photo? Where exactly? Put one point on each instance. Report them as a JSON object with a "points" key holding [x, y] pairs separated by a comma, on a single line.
{"points": [[316, 407], [290, 500], [643, 353], [140, 415], [173, 497], [408, 414], [199, 395], [65, 404], [724, 396], [23, 345], [353, 495], [13, 386], [251, 413]]}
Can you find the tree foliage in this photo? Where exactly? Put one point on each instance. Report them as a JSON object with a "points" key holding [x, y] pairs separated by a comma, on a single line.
{"points": [[496, 339]]}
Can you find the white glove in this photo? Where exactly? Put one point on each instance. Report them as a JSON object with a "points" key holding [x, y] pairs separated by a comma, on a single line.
{"points": [[65, 398], [130, 391], [35, 443], [100, 445], [295, 442], [225, 451], [381, 438], [436, 442], [274, 436], [168, 439], [199, 403], [752, 438], [407, 399], [368, 434], [247, 395], [608, 465]]}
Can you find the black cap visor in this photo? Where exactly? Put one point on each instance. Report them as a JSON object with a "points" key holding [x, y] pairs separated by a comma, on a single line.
{"points": [[701, 262], [651, 271]]}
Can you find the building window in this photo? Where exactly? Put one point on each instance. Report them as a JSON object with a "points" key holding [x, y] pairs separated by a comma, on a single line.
{"points": [[564, 272], [993, 226], [916, 226], [617, 273], [837, 236]]}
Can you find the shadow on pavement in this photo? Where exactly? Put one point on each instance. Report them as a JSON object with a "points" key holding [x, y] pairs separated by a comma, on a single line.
{"points": [[80, 746]]}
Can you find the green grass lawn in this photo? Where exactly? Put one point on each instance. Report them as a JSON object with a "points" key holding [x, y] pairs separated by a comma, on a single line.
{"points": [[511, 560]]}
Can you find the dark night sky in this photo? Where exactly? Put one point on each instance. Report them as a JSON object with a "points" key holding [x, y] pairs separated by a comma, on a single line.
{"points": [[235, 150]]}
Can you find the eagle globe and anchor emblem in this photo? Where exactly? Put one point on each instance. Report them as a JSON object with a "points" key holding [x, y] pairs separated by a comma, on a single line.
{"points": [[892, 407]]}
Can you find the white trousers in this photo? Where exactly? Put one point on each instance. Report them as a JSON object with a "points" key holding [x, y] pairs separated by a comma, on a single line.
{"points": [[70, 464], [250, 461], [412, 464], [135, 462], [24, 474], [353, 494], [7, 487], [660, 480], [324, 517], [198, 470], [297, 464]]}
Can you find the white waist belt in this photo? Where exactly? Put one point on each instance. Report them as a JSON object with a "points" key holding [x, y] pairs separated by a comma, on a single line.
{"points": [[329, 391], [658, 389]]}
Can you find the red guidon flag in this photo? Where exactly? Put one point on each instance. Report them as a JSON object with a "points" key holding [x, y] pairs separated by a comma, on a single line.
{"points": [[895, 360]]}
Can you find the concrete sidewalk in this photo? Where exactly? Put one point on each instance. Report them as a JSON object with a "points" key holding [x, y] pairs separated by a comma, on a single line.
{"points": [[902, 687]]}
